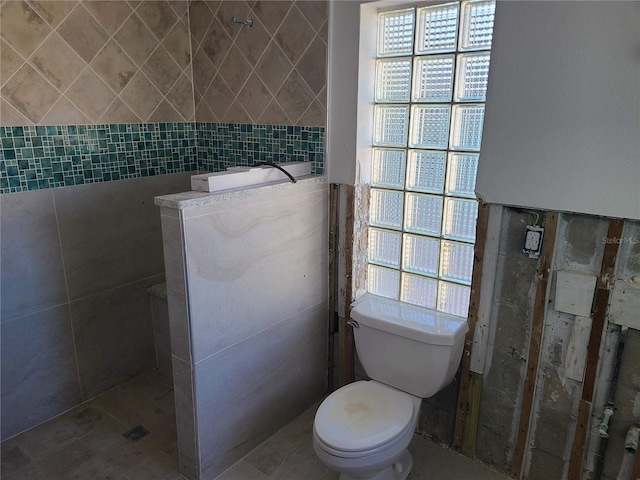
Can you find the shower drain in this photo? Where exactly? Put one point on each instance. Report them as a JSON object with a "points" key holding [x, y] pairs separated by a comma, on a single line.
{"points": [[136, 433]]}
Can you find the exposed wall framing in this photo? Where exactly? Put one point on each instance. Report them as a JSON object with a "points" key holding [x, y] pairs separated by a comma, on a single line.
{"points": [[333, 269], [345, 333], [614, 233], [533, 358], [464, 394]]}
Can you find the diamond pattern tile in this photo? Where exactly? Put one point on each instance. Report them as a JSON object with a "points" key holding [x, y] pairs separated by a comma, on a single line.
{"points": [[180, 97], [158, 16], [216, 43], [254, 97], [110, 15], [313, 71], [11, 116], [200, 17], [252, 41], [136, 39], [64, 110], [53, 11], [69, 62], [315, 11], [177, 44], [235, 70], [114, 66], [295, 96], [57, 62], [29, 93], [228, 10], [274, 71], [22, 28], [274, 67], [203, 71], [294, 35], [218, 96], [161, 70], [83, 33], [10, 62], [141, 96], [91, 92], [271, 14]]}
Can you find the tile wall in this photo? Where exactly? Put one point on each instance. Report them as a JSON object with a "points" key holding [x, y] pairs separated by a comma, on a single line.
{"points": [[75, 317], [38, 157], [271, 73], [83, 84], [283, 322], [221, 145], [88, 62]]}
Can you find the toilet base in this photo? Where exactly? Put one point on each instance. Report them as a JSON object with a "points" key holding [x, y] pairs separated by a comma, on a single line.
{"points": [[398, 471]]}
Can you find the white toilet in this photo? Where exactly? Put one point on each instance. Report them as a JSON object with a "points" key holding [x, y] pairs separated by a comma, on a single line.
{"points": [[363, 429]]}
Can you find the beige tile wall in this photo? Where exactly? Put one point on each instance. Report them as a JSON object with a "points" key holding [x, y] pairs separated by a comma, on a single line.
{"points": [[87, 62], [273, 72], [97, 61]]}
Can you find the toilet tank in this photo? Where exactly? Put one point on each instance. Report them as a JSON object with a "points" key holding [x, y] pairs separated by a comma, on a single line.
{"points": [[405, 346]]}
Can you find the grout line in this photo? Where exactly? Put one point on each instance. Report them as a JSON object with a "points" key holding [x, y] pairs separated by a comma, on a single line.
{"points": [[66, 286], [190, 65]]}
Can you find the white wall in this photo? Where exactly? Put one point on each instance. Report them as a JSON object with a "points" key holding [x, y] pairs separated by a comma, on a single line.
{"points": [[562, 125], [342, 91]]}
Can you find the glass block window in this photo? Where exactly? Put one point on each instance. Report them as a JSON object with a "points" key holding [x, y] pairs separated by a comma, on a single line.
{"points": [[432, 69]]}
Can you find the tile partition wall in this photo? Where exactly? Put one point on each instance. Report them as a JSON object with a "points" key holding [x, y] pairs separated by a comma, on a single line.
{"points": [[249, 353]]}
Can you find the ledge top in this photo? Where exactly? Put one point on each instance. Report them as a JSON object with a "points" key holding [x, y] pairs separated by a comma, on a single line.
{"points": [[184, 200]]}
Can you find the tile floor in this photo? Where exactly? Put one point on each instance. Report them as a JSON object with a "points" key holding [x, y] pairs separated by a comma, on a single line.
{"points": [[288, 455], [87, 443]]}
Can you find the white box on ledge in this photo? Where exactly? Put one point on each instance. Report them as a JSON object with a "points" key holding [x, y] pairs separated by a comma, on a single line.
{"points": [[237, 177]]}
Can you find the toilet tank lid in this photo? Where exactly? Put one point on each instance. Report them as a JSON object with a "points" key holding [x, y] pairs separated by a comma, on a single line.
{"points": [[411, 321]]}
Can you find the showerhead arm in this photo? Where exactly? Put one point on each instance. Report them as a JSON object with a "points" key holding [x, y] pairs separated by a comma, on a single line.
{"points": [[247, 23]]}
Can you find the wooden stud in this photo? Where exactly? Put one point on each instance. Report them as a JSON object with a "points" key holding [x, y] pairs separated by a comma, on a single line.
{"points": [[471, 425], [595, 339], [488, 280], [635, 473], [582, 425], [539, 308], [347, 348], [474, 301], [333, 286]]}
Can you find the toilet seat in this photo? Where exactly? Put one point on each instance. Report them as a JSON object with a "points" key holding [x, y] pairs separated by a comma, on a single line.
{"points": [[363, 417]]}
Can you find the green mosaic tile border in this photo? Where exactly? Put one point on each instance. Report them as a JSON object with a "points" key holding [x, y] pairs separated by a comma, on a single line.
{"points": [[222, 145], [37, 157]]}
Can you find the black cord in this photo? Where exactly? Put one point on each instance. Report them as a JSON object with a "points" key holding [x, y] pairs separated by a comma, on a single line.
{"points": [[269, 164]]}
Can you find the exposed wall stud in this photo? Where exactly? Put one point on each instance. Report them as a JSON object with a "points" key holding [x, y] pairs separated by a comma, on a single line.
{"points": [[333, 269], [539, 308], [614, 234], [346, 345], [463, 392]]}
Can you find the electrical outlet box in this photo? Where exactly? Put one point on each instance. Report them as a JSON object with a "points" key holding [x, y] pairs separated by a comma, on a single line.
{"points": [[533, 241]]}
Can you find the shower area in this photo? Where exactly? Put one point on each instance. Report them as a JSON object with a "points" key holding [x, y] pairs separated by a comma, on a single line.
{"points": [[106, 106]]}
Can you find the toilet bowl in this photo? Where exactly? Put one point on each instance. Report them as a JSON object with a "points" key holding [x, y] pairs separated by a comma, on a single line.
{"points": [[363, 429]]}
